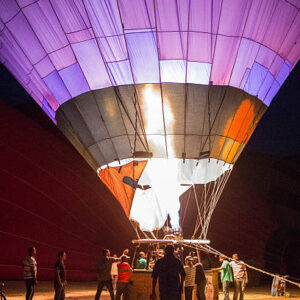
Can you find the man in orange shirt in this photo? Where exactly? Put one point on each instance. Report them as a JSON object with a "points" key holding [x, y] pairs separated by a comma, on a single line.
{"points": [[124, 270]]}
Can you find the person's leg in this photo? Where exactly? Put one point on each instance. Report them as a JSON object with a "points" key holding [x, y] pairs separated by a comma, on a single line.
{"points": [[114, 281], [226, 290], [126, 291], [119, 290], [62, 293], [58, 290], [235, 289], [188, 293], [108, 284], [201, 290], [29, 289], [242, 289], [99, 290]]}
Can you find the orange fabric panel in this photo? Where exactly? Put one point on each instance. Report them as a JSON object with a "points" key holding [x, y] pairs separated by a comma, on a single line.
{"points": [[237, 131], [112, 177]]}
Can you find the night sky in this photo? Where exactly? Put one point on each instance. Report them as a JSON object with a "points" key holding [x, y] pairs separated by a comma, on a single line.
{"points": [[278, 132]]}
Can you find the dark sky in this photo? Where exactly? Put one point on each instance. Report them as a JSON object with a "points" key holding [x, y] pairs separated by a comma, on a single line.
{"points": [[278, 132]]}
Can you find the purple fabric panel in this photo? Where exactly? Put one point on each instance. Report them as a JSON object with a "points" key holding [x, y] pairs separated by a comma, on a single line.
{"points": [[142, 50], [295, 3], [173, 70], [63, 58], [172, 45], [71, 15], [1, 26], [265, 57], [44, 67], [113, 48], [276, 66], [255, 79], [8, 9], [245, 78], [198, 73], [57, 87], [200, 15], [23, 3], [12, 52], [26, 38], [48, 110], [137, 16], [272, 92], [224, 58], [74, 80], [104, 16], [39, 87], [233, 17], [280, 23], [266, 85], [216, 12], [80, 36], [258, 20], [245, 59], [90, 60], [200, 47], [120, 72], [46, 25], [290, 49], [172, 15], [284, 72]]}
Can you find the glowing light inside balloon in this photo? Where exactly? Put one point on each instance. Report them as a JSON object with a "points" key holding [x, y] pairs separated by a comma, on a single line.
{"points": [[155, 122]]}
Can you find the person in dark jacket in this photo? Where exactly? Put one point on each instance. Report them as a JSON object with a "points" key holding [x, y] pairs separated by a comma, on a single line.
{"points": [[200, 279], [60, 278], [171, 274]]}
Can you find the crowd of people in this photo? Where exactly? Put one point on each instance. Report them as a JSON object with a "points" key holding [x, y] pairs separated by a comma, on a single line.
{"points": [[175, 277]]}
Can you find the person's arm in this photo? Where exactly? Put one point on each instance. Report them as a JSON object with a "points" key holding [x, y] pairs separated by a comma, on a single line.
{"points": [[154, 280], [246, 275], [182, 276]]}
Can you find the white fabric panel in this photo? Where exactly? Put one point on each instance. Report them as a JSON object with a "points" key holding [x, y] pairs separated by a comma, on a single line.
{"points": [[172, 70], [198, 73], [151, 207]]}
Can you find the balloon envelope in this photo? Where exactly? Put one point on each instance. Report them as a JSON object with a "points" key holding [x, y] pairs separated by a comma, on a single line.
{"points": [[180, 80]]}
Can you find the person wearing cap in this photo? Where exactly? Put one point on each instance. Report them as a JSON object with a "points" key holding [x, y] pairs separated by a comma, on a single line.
{"points": [[124, 270], [240, 277], [189, 282], [171, 274], [226, 275], [141, 262], [104, 273], [200, 279]]}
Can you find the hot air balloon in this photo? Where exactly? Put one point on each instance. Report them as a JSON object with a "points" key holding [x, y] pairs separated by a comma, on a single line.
{"points": [[159, 96]]}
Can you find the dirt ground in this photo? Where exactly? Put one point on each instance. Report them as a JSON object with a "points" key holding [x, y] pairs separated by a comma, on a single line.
{"points": [[15, 290]]}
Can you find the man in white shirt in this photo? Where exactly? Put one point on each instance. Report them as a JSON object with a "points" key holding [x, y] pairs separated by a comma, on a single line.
{"points": [[240, 277], [30, 272]]}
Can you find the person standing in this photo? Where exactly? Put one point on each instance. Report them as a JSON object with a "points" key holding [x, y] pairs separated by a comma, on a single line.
{"points": [[189, 282], [30, 272], [171, 274], [200, 280], [124, 270], [104, 273], [240, 277], [141, 262], [114, 273], [60, 278], [226, 276]]}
